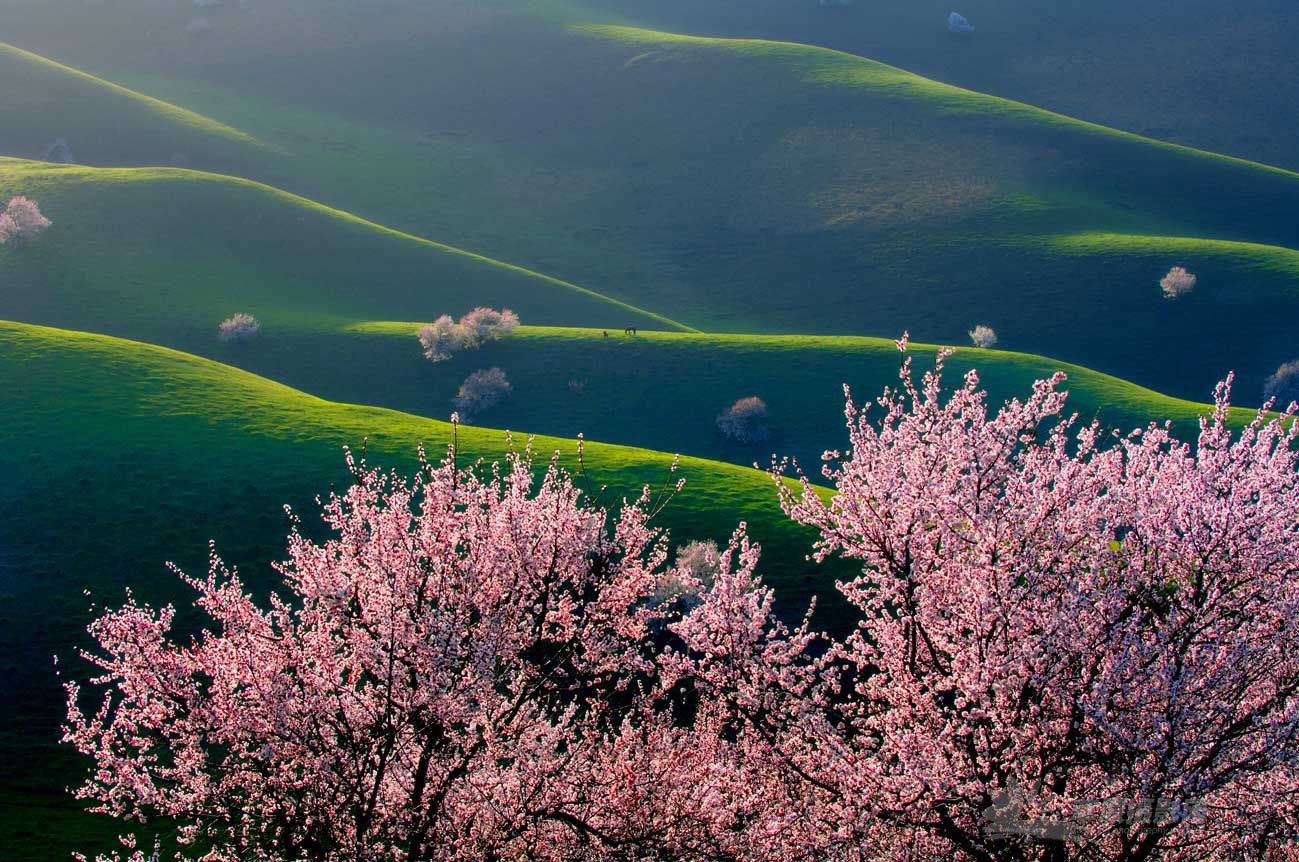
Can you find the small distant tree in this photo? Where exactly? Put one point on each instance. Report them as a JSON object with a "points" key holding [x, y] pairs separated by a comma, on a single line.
{"points": [[445, 337], [59, 152], [1283, 384], [22, 221], [745, 421], [983, 336], [238, 327], [487, 324], [697, 566], [959, 24], [440, 339], [1178, 282], [481, 391]]}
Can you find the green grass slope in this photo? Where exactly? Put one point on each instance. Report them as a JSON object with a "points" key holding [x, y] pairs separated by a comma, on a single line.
{"points": [[664, 390], [120, 456], [1218, 76], [163, 255], [758, 186], [103, 122]]}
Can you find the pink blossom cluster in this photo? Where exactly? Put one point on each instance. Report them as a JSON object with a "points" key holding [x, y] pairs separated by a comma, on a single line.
{"points": [[983, 336], [444, 337], [1178, 282], [21, 221], [1067, 645]]}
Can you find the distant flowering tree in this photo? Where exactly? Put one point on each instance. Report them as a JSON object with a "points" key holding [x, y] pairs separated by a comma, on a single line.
{"points": [[444, 337], [59, 152], [487, 324], [1178, 282], [1283, 384], [238, 327], [745, 421], [983, 336], [21, 221], [481, 391], [959, 24], [696, 566]]}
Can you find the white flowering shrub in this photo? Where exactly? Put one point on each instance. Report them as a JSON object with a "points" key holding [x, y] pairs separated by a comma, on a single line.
{"points": [[238, 327], [1283, 384], [697, 566], [983, 336], [959, 24], [22, 221], [481, 391], [444, 337], [745, 421]]}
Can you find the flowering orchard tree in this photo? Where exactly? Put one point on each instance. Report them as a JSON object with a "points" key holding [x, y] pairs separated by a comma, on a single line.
{"points": [[1178, 282], [444, 337], [1068, 645], [482, 390], [983, 336], [238, 327], [22, 221], [463, 672], [1071, 645], [1283, 384], [745, 421]]}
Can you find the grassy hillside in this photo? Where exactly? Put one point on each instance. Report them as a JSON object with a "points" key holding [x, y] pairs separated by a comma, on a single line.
{"points": [[164, 255], [1213, 75], [759, 186], [120, 456], [102, 122], [161, 255], [665, 390]]}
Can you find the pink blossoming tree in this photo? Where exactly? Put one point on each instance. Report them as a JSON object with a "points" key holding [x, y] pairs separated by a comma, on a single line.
{"points": [[1071, 645], [444, 337], [465, 671], [745, 421], [1177, 282], [238, 327], [21, 221], [481, 391], [1068, 646]]}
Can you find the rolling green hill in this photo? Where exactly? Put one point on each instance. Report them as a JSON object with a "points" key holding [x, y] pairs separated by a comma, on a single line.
{"points": [[104, 123], [665, 390], [1219, 76], [162, 255], [120, 456], [760, 186]]}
